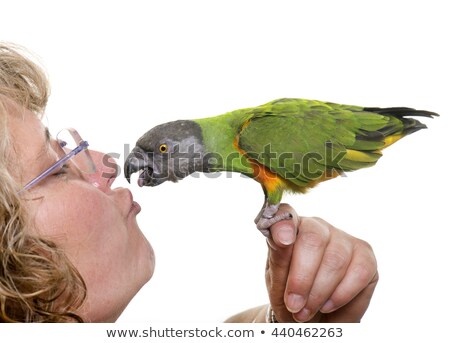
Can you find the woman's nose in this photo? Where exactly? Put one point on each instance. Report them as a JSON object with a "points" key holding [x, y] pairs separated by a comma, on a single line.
{"points": [[106, 171]]}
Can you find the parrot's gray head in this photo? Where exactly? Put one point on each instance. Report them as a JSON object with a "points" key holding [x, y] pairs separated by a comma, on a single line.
{"points": [[168, 152]]}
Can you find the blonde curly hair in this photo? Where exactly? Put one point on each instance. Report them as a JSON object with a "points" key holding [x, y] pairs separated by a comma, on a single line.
{"points": [[38, 283]]}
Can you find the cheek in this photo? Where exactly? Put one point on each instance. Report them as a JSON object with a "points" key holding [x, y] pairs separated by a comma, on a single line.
{"points": [[81, 222], [106, 247]]}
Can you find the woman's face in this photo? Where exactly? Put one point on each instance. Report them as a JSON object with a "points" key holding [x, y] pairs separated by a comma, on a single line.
{"points": [[94, 224]]}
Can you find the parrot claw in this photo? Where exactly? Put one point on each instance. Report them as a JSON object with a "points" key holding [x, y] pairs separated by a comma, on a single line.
{"points": [[269, 216], [264, 224]]}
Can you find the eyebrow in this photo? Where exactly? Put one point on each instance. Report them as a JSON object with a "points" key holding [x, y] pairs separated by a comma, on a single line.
{"points": [[47, 135], [46, 144]]}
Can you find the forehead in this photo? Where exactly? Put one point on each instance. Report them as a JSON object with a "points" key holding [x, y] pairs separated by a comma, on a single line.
{"points": [[25, 127], [28, 136]]}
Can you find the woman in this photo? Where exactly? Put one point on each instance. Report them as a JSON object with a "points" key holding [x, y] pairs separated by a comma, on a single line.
{"points": [[71, 248]]}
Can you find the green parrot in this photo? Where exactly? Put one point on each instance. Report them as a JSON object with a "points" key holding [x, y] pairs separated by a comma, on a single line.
{"points": [[285, 145]]}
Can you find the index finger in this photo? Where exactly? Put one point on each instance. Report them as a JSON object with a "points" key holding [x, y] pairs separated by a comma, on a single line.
{"points": [[281, 244]]}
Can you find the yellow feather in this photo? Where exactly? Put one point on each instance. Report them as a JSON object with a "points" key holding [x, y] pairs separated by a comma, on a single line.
{"points": [[389, 140], [361, 156]]}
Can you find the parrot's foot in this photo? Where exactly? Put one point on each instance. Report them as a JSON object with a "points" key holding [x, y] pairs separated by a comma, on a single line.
{"points": [[268, 217]]}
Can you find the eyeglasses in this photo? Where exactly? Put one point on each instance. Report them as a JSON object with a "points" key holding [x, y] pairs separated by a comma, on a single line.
{"points": [[73, 148]]}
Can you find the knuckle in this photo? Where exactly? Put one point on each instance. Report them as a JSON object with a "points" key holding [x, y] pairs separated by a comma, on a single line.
{"points": [[335, 260], [315, 230], [364, 245], [299, 282], [322, 221], [314, 239], [364, 273], [365, 250]]}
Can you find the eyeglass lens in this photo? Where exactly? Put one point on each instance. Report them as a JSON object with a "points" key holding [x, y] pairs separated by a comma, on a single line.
{"points": [[69, 139]]}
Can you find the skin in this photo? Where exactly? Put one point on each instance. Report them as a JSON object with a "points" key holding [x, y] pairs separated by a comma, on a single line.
{"points": [[314, 271], [334, 276], [94, 224]]}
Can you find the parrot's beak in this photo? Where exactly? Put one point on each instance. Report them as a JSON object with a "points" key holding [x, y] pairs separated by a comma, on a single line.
{"points": [[138, 160]]}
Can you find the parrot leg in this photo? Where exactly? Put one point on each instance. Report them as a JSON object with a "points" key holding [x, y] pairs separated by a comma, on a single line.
{"points": [[269, 216]]}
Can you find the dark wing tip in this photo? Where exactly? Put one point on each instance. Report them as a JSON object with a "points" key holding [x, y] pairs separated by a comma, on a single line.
{"points": [[401, 111]]}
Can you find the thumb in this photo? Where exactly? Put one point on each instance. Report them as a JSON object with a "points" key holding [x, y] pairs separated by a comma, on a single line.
{"points": [[284, 233]]}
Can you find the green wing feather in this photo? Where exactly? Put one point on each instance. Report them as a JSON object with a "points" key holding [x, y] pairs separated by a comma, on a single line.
{"points": [[300, 139]]}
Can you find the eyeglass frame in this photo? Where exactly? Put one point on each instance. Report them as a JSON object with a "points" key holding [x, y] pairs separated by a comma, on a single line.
{"points": [[83, 145]]}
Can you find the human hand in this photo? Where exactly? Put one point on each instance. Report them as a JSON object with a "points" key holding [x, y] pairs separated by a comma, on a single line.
{"points": [[318, 273]]}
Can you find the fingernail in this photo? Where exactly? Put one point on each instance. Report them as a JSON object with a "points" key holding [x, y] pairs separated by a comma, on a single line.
{"points": [[328, 306], [303, 315], [295, 302], [286, 236]]}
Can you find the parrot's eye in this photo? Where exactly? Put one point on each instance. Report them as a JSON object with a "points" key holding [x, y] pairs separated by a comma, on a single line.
{"points": [[163, 148]]}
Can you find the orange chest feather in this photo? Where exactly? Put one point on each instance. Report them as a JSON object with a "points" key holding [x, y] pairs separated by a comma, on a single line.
{"points": [[268, 179], [262, 174]]}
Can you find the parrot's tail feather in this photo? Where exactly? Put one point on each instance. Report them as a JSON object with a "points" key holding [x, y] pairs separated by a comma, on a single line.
{"points": [[408, 125], [412, 125], [401, 112]]}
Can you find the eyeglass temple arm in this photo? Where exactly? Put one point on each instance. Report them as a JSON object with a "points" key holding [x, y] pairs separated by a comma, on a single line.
{"points": [[83, 145]]}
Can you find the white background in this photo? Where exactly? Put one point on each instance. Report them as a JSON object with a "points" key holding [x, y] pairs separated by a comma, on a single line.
{"points": [[118, 68]]}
